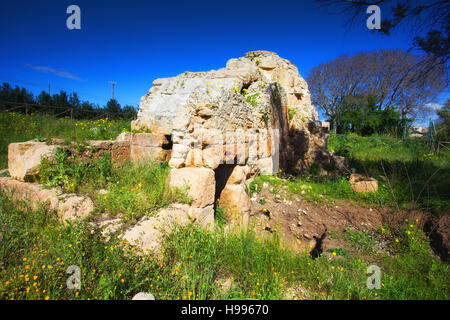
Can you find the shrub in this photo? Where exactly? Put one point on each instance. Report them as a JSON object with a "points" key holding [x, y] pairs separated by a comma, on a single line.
{"points": [[65, 170], [139, 189]]}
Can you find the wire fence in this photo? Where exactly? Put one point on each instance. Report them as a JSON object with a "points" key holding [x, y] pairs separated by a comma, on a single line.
{"points": [[70, 112]]}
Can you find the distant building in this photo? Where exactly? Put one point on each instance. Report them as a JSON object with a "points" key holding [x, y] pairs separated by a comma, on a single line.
{"points": [[418, 131]]}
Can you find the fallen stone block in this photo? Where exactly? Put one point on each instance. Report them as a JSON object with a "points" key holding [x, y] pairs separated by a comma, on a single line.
{"points": [[148, 233], [360, 183], [72, 206], [25, 157], [68, 206]]}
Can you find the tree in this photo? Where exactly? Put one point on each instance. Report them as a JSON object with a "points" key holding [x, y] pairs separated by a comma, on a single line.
{"points": [[61, 100], [330, 83], [129, 112], [428, 21], [363, 116], [397, 79], [443, 127], [5, 94], [44, 98], [113, 108], [85, 111], [74, 101]]}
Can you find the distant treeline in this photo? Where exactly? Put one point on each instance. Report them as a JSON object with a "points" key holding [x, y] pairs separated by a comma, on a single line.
{"points": [[377, 92], [60, 104]]}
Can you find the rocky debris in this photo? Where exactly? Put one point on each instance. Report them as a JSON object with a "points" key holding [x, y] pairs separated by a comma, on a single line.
{"points": [[68, 206], [225, 284], [149, 232], [360, 183], [143, 296], [25, 157], [303, 222], [297, 293], [103, 191], [72, 206], [108, 226]]}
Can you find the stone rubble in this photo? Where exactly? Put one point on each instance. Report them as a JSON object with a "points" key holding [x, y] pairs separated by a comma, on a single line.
{"points": [[68, 206]]}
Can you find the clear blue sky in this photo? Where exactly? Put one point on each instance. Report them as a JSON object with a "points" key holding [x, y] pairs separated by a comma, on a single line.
{"points": [[134, 42]]}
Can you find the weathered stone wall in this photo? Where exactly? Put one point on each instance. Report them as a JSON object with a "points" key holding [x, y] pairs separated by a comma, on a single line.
{"points": [[255, 114], [230, 115]]}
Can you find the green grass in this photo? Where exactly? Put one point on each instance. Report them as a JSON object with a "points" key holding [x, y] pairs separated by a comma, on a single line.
{"points": [[36, 250], [323, 191], [139, 189], [409, 177], [131, 189], [16, 127], [418, 178]]}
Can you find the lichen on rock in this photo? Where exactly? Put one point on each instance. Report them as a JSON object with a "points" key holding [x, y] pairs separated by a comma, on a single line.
{"points": [[255, 110]]}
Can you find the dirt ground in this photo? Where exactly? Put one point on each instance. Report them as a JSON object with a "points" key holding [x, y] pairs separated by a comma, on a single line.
{"points": [[306, 225]]}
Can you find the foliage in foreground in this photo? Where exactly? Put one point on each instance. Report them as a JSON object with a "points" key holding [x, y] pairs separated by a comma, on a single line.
{"points": [[36, 251], [132, 189]]}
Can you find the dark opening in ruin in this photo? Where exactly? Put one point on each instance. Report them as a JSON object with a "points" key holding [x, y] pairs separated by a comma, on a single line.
{"points": [[317, 250], [169, 144], [246, 86], [222, 174]]}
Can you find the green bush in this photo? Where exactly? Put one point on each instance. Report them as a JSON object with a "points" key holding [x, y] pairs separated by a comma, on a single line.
{"points": [[66, 171]]}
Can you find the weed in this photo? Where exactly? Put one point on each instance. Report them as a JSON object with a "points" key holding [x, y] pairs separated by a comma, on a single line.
{"points": [[16, 127], [36, 250]]}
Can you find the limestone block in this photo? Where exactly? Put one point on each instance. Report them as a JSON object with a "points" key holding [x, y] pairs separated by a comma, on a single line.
{"points": [[201, 183], [363, 184], [25, 157]]}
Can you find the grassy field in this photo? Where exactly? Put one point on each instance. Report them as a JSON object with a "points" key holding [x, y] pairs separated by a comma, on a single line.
{"points": [[17, 127], [409, 177], [415, 177], [36, 249]]}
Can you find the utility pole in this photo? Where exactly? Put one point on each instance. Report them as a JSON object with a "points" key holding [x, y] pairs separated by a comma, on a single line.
{"points": [[112, 87], [49, 89]]}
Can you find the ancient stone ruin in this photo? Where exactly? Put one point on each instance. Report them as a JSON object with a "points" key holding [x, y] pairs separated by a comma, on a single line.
{"points": [[220, 128], [216, 129]]}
